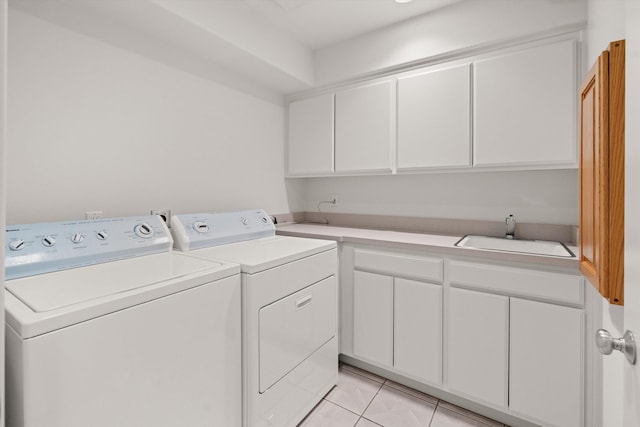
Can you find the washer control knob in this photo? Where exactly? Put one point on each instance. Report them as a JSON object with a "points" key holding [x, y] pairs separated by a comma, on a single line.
{"points": [[201, 227], [48, 241], [143, 230], [17, 245], [102, 235], [244, 220], [77, 238], [264, 219]]}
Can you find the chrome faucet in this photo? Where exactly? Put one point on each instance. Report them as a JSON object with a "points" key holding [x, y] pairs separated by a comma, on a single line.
{"points": [[510, 221]]}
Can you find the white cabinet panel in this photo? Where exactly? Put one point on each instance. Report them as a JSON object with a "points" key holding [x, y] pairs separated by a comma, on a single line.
{"points": [[418, 329], [524, 107], [478, 326], [546, 369], [311, 136], [373, 317], [421, 268], [525, 282], [434, 119], [363, 122]]}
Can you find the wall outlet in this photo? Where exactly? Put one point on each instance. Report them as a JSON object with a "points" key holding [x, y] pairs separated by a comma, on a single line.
{"points": [[93, 214], [165, 214]]}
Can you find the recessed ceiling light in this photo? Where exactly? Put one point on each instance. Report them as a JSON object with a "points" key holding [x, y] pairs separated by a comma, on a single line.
{"points": [[403, 1]]}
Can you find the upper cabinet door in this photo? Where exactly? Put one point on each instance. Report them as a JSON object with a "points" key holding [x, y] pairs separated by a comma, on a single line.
{"points": [[602, 163], [311, 136], [364, 128], [434, 115], [525, 109]]}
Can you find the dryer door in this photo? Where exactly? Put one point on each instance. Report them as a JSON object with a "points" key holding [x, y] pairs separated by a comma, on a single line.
{"points": [[294, 327]]}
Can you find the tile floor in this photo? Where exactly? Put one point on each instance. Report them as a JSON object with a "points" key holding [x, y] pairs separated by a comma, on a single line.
{"points": [[362, 399]]}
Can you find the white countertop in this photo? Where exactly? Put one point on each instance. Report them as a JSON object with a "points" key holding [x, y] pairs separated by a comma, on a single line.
{"points": [[436, 242]]}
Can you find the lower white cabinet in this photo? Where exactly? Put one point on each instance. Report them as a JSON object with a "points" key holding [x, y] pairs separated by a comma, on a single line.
{"points": [[478, 346], [397, 322], [417, 326], [373, 317], [545, 364], [509, 337], [516, 340]]}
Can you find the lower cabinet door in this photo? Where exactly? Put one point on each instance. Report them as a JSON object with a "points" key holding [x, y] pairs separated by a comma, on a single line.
{"points": [[418, 329], [373, 317], [547, 363], [478, 337]]}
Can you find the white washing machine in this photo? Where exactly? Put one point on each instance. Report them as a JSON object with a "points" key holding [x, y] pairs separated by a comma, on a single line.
{"points": [[107, 326], [289, 286]]}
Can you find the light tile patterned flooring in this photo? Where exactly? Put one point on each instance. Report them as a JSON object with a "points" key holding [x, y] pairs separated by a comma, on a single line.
{"points": [[362, 399]]}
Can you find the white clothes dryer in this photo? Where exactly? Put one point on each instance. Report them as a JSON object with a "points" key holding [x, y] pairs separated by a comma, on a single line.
{"points": [[289, 300], [107, 326]]}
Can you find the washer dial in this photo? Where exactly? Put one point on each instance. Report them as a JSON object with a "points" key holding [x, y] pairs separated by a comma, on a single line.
{"points": [[77, 237], [201, 227], [48, 241], [17, 245], [143, 230]]}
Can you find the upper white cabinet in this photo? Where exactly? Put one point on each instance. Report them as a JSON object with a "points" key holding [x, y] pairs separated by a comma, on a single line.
{"points": [[363, 123], [525, 107], [311, 136], [513, 109], [434, 119]]}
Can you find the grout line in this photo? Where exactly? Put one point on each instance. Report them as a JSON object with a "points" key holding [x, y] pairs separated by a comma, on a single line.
{"points": [[372, 399], [433, 416]]}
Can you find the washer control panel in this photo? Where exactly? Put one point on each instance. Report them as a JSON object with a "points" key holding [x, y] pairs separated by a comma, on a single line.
{"points": [[197, 231], [45, 247]]}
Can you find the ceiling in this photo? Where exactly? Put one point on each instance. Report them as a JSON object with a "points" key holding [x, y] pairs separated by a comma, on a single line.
{"points": [[267, 42], [319, 23]]}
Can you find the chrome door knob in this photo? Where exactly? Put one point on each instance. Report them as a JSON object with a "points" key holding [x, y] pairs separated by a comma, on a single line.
{"points": [[627, 344]]}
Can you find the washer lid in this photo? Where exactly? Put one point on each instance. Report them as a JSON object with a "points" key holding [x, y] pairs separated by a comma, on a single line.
{"points": [[62, 289], [261, 254]]}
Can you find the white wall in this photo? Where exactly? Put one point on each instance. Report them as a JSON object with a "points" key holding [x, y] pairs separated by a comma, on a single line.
{"points": [[96, 127], [606, 24], [549, 197], [461, 26]]}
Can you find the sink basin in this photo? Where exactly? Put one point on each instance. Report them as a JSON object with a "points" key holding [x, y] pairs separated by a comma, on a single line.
{"points": [[538, 247]]}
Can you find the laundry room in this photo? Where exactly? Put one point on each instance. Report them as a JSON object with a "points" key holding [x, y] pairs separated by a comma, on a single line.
{"points": [[382, 134]]}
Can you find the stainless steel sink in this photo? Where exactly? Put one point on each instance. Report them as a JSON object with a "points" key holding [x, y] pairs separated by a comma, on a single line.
{"points": [[538, 247]]}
